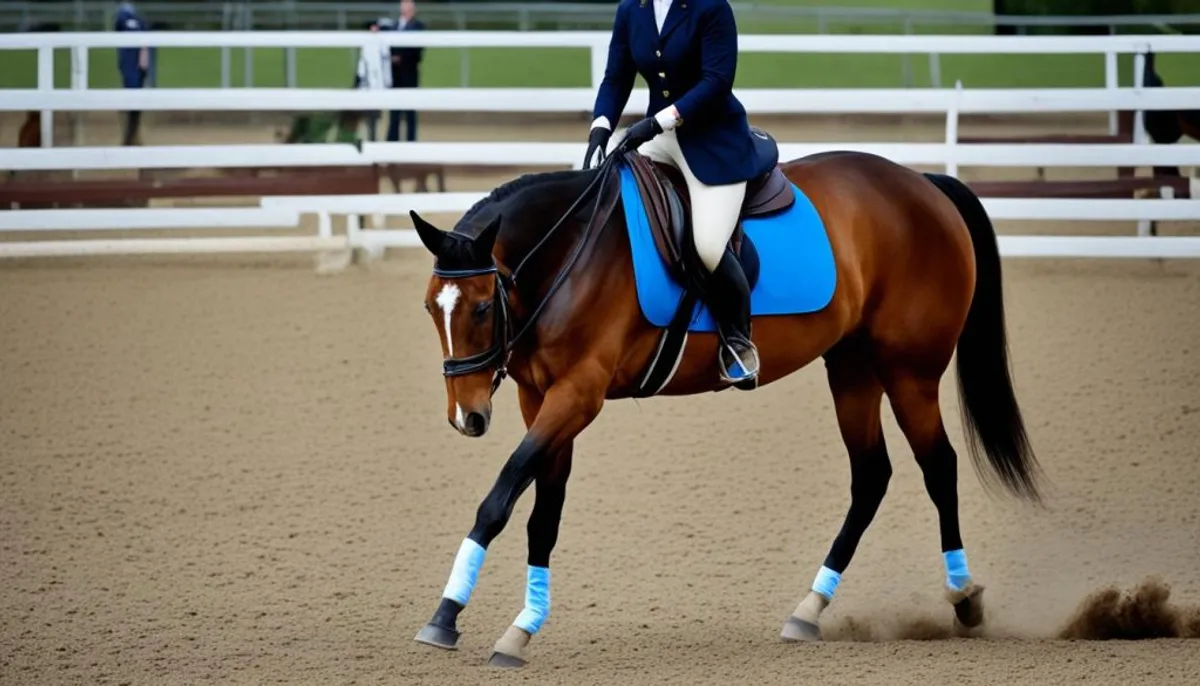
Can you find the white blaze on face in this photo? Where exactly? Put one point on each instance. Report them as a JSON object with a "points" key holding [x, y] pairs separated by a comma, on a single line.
{"points": [[447, 299]]}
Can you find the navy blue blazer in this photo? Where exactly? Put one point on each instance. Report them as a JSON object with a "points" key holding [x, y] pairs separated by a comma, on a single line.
{"points": [[690, 65], [127, 58]]}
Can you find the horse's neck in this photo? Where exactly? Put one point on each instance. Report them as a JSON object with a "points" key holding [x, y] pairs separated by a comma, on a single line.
{"points": [[530, 214]]}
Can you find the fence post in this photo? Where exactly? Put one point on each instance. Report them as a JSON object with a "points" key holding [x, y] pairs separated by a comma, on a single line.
{"points": [[906, 59], [464, 54], [935, 70], [79, 81], [1110, 82], [952, 131], [1139, 117], [248, 60], [46, 83], [226, 61], [289, 67]]}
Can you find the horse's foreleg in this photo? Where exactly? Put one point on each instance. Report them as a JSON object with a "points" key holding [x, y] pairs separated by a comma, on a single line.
{"points": [[857, 395], [542, 531], [490, 519], [568, 407]]}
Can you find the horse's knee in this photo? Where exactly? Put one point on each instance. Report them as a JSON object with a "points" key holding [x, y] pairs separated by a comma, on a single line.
{"points": [[494, 512], [870, 484], [490, 519]]}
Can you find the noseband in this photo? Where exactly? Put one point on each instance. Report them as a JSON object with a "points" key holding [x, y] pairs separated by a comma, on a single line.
{"points": [[503, 339], [497, 354]]}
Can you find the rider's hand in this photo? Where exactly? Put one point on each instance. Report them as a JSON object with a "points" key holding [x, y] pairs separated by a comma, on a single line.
{"points": [[641, 132], [597, 145]]}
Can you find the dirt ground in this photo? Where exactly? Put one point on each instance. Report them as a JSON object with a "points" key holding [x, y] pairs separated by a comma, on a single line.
{"points": [[236, 470]]}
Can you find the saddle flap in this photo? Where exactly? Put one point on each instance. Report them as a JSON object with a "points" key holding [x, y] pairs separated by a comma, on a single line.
{"points": [[665, 210], [664, 192]]}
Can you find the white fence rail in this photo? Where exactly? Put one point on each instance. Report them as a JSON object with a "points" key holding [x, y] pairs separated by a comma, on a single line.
{"points": [[565, 99], [579, 100], [536, 154], [598, 40], [285, 212]]}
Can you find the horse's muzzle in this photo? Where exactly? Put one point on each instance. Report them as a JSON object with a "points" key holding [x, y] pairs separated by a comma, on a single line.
{"points": [[472, 424]]}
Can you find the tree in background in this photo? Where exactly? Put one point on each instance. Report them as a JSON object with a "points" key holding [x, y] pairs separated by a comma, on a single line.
{"points": [[1092, 8]]}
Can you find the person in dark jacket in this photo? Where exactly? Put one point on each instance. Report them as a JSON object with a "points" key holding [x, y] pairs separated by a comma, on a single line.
{"points": [[133, 63], [686, 50], [406, 65]]}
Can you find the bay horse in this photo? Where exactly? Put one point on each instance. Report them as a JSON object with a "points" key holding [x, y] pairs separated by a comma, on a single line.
{"points": [[536, 282]]}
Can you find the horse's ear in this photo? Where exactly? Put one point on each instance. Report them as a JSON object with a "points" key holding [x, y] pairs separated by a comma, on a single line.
{"points": [[433, 237], [486, 240]]}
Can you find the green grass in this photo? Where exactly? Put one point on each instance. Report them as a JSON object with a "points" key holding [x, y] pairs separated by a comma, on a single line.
{"points": [[548, 68], [566, 67]]}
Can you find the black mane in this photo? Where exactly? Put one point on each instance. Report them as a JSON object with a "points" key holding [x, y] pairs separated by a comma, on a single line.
{"points": [[469, 225]]}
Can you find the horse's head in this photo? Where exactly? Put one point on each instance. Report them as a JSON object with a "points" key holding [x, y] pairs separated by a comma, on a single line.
{"points": [[469, 308]]}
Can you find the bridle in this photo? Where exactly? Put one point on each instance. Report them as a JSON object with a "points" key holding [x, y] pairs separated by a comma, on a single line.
{"points": [[498, 354], [500, 350]]}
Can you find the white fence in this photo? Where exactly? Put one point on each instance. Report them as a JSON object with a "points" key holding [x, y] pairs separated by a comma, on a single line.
{"points": [[903, 100], [538, 154], [285, 212]]}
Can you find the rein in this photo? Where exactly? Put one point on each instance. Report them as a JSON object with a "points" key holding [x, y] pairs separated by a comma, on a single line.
{"points": [[503, 339]]}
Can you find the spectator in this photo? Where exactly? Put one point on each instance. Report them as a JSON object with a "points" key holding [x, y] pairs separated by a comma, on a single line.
{"points": [[373, 72], [406, 63], [133, 64]]}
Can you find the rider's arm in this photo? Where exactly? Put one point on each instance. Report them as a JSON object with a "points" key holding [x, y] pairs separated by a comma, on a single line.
{"points": [[718, 62], [618, 74]]}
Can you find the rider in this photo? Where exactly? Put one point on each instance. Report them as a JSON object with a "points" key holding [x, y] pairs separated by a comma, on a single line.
{"points": [[686, 50]]}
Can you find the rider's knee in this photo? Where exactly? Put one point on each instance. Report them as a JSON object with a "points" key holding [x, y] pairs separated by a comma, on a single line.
{"points": [[710, 243]]}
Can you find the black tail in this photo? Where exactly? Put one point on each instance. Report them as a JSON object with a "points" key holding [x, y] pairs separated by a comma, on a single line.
{"points": [[989, 407]]}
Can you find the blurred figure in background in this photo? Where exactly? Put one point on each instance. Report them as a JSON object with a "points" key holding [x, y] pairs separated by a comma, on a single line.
{"points": [[133, 64], [406, 63], [374, 72]]}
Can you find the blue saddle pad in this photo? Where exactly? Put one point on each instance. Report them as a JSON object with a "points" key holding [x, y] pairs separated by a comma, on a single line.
{"points": [[797, 272]]}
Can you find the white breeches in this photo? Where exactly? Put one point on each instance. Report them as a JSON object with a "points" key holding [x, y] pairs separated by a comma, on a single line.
{"points": [[715, 209]]}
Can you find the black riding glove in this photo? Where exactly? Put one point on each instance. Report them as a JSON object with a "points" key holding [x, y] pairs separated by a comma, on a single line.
{"points": [[641, 132], [597, 145]]}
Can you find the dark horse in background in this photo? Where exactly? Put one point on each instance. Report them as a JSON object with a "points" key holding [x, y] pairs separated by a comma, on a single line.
{"points": [[1167, 126], [538, 282]]}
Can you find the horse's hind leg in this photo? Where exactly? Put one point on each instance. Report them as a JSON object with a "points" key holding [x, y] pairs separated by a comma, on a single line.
{"points": [[914, 398], [857, 394]]}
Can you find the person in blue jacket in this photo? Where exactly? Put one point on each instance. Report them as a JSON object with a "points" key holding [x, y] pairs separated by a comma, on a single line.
{"points": [[686, 50], [133, 64]]}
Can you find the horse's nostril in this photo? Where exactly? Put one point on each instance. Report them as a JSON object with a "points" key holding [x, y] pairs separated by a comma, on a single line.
{"points": [[476, 423]]}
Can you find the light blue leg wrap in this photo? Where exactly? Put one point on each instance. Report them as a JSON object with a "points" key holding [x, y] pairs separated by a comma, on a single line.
{"points": [[465, 572], [537, 600], [826, 582], [957, 574]]}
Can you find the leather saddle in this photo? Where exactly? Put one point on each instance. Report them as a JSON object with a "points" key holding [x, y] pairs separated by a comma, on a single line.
{"points": [[665, 196]]}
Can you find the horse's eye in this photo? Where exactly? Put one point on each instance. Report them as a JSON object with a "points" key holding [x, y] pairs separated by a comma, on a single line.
{"points": [[426, 306], [481, 309]]}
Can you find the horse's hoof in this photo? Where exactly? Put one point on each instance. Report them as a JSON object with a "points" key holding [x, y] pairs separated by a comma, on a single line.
{"points": [[438, 637], [796, 630], [508, 650], [505, 660], [968, 605]]}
